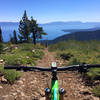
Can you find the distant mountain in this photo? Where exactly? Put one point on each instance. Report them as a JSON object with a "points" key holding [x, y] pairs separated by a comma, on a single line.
{"points": [[73, 24], [78, 30], [63, 23], [81, 36]]}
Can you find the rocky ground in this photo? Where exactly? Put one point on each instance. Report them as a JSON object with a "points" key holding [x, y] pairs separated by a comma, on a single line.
{"points": [[31, 85]]}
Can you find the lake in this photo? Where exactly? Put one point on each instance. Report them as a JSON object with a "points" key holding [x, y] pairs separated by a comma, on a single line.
{"points": [[53, 32]]}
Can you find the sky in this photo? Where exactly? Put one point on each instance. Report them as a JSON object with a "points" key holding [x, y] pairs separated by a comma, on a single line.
{"points": [[45, 11]]}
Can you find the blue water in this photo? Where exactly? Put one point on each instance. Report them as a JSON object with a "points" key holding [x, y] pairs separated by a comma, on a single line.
{"points": [[7, 32]]}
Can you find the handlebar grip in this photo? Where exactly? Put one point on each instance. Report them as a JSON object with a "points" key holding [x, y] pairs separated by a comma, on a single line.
{"points": [[10, 67], [93, 65]]}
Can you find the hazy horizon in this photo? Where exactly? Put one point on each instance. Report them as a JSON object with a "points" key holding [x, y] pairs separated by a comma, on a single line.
{"points": [[53, 22]]}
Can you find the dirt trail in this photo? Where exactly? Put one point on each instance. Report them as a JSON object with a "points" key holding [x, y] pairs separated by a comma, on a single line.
{"points": [[32, 84], [47, 59]]}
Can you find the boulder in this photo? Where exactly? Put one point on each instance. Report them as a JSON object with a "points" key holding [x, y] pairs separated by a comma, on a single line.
{"points": [[1, 87], [20, 82], [43, 98], [1, 61], [3, 80]]}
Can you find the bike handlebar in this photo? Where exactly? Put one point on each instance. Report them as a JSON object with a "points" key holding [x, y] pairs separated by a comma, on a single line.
{"points": [[73, 67]]}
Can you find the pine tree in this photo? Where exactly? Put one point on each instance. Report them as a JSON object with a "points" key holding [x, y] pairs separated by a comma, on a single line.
{"points": [[15, 37], [36, 31], [11, 39], [1, 39], [24, 29]]}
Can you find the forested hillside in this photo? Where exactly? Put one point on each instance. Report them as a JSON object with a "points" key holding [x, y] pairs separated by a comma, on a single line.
{"points": [[80, 36]]}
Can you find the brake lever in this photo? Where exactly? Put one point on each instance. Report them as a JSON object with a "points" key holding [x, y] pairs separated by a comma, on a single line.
{"points": [[83, 68]]}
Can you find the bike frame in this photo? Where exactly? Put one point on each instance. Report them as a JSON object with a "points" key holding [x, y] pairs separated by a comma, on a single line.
{"points": [[54, 90], [54, 84]]}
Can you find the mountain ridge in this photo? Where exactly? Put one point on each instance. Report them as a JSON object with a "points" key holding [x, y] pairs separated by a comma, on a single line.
{"points": [[80, 36]]}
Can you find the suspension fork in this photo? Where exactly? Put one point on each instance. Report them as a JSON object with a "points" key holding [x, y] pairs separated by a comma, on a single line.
{"points": [[55, 92]]}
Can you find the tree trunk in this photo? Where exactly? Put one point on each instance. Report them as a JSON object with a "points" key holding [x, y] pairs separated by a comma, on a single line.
{"points": [[0, 35], [34, 39], [27, 39]]}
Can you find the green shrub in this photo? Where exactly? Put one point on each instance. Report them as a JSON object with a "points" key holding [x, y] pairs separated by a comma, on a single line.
{"points": [[30, 46], [96, 91], [74, 61], [38, 54], [94, 74], [11, 59], [64, 55], [10, 75], [1, 48], [25, 54]]}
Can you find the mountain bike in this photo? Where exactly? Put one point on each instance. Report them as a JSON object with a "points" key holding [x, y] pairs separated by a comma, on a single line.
{"points": [[55, 93]]}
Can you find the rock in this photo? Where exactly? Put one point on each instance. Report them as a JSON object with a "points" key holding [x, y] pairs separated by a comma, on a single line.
{"points": [[44, 98], [33, 50], [6, 48], [42, 93], [1, 87], [27, 57], [85, 92], [43, 73], [35, 98], [22, 94], [82, 87], [95, 98], [20, 82], [16, 47], [18, 91], [33, 82], [14, 94], [7, 97], [1, 61], [23, 86], [23, 79], [90, 98], [3, 80], [97, 82]]}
